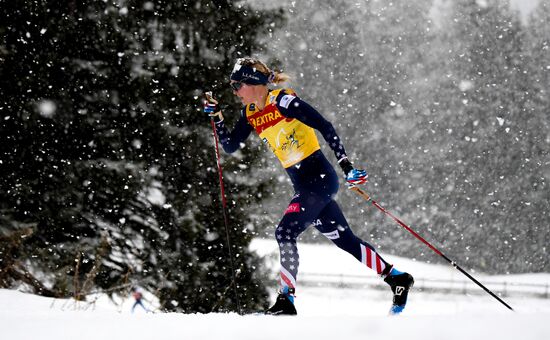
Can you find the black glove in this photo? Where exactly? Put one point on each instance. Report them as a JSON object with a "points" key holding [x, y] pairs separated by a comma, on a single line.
{"points": [[346, 166], [353, 176]]}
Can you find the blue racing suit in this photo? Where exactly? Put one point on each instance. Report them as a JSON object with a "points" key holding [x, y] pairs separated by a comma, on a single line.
{"points": [[286, 124]]}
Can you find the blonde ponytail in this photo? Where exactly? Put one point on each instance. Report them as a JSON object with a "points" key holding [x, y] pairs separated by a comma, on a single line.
{"points": [[280, 77]]}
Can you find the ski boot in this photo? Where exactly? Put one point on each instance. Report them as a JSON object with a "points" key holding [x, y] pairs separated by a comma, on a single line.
{"points": [[400, 284], [284, 305]]}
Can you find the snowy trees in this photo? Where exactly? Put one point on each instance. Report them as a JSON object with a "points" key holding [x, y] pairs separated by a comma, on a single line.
{"points": [[491, 143], [107, 166]]}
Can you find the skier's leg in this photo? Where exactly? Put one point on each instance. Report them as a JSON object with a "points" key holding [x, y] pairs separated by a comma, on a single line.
{"points": [[298, 216], [332, 223], [143, 306]]}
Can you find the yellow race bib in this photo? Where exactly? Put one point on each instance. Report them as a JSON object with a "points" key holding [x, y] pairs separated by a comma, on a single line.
{"points": [[290, 139]]}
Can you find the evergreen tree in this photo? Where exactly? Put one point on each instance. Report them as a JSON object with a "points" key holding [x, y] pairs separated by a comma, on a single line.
{"points": [[107, 162]]}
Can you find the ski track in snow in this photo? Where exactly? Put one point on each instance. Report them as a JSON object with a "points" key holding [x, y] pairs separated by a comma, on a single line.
{"points": [[325, 312], [25, 316]]}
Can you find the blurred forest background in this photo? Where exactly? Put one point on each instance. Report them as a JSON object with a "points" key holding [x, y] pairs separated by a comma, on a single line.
{"points": [[108, 172], [445, 104]]}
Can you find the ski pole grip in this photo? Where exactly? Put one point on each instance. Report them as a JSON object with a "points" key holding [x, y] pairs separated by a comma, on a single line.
{"points": [[208, 95], [361, 192]]}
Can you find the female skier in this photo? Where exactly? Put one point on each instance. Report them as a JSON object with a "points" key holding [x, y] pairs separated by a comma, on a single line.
{"points": [[286, 124]]}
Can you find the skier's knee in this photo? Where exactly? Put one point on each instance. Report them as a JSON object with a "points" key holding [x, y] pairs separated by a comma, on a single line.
{"points": [[343, 238]]}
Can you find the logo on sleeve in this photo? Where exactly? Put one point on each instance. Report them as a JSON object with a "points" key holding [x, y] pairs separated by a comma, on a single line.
{"points": [[286, 100]]}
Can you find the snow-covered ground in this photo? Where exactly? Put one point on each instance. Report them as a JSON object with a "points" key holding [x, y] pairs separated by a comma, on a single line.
{"points": [[326, 310], [438, 288]]}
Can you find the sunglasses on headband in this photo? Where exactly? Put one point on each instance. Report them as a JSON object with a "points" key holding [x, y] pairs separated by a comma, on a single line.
{"points": [[236, 86]]}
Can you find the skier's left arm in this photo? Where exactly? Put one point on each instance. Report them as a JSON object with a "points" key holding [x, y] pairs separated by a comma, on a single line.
{"points": [[293, 107]]}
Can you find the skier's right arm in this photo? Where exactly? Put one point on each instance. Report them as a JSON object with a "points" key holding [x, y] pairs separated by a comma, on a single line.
{"points": [[230, 140]]}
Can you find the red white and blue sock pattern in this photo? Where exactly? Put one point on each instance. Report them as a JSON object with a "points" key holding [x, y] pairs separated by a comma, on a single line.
{"points": [[372, 260], [287, 280]]}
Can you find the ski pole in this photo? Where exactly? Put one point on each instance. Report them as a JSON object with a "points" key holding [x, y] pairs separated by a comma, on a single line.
{"points": [[224, 208], [453, 263]]}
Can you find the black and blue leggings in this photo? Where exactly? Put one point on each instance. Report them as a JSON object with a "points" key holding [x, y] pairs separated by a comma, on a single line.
{"points": [[315, 184]]}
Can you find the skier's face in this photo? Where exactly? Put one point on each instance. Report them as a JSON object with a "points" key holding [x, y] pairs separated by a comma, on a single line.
{"points": [[249, 94]]}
